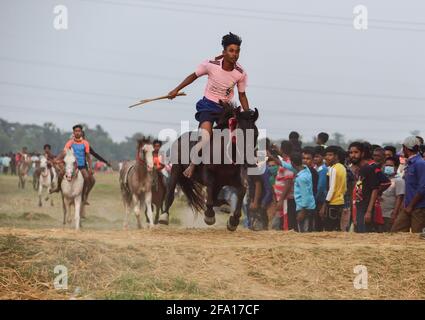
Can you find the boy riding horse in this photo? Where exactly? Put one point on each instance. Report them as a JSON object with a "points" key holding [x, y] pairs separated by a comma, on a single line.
{"points": [[223, 74], [81, 149]]}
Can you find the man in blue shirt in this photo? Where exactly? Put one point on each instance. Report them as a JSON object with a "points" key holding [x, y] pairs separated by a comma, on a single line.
{"points": [[413, 215], [322, 183], [303, 193]]}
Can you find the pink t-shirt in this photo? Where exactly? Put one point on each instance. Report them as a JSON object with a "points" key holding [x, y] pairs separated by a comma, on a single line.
{"points": [[221, 82]]}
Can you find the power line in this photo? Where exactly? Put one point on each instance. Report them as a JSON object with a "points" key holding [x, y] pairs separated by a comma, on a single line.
{"points": [[178, 9], [49, 88], [89, 69], [277, 12], [116, 119], [272, 109], [264, 87]]}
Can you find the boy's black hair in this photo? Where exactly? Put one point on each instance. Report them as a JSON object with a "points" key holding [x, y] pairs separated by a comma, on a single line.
{"points": [[229, 39], [356, 144], [294, 135], [333, 149], [157, 141], [367, 151], [296, 159], [286, 147], [391, 148], [323, 136], [396, 160], [380, 149], [421, 140], [319, 150], [309, 150], [47, 146], [77, 126], [342, 156]]}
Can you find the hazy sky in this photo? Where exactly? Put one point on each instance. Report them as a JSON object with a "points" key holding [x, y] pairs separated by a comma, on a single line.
{"points": [[309, 69]]}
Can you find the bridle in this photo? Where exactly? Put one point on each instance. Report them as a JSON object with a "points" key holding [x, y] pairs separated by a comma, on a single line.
{"points": [[140, 157]]}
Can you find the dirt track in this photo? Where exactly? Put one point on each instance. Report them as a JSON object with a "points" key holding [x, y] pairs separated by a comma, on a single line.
{"points": [[178, 263], [175, 262]]}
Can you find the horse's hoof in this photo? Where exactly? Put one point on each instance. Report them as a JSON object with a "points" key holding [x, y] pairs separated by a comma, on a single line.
{"points": [[209, 220], [232, 225], [257, 225], [163, 219]]}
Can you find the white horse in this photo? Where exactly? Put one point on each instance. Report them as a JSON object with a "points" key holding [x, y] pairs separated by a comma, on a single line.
{"points": [[46, 181], [72, 189]]}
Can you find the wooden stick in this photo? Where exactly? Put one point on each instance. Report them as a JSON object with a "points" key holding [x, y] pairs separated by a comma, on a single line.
{"points": [[154, 99]]}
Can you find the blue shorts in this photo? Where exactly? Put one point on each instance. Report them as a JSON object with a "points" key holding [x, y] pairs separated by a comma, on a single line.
{"points": [[208, 110], [82, 167]]}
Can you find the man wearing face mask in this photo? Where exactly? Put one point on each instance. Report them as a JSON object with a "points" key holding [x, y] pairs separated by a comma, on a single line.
{"points": [[392, 198], [413, 215]]}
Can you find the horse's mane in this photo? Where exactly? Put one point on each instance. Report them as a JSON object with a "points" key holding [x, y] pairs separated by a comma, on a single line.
{"points": [[229, 109]]}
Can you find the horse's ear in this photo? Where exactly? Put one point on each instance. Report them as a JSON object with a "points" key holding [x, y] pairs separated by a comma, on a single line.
{"points": [[255, 117], [237, 112]]}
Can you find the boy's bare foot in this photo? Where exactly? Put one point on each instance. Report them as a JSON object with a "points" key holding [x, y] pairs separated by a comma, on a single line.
{"points": [[189, 171]]}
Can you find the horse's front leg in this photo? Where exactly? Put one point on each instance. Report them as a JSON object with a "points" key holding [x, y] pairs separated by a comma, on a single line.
{"points": [[63, 208], [48, 194], [176, 170], [40, 193], [209, 214], [148, 206], [234, 218], [77, 205], [137, 210]]}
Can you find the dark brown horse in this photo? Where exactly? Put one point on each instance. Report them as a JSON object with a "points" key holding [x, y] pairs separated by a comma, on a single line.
{"points": [[158, 196], [228, 172]]}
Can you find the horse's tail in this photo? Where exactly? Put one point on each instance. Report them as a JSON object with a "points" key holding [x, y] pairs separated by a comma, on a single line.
{"points": [[194, 193]]}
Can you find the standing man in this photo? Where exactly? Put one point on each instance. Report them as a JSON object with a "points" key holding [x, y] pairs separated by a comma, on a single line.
{"points": [[284, 190], [321, 139], [413, 215], [331, 211], [294, 138], [379, 156], [322, 184], [224, 73], [367, 186], [303, 193], [6, 163], [392, 198], [390, 151], [308, 161]]}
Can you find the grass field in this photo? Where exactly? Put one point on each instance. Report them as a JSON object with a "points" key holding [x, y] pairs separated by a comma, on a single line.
{"points": [[188, 260]]}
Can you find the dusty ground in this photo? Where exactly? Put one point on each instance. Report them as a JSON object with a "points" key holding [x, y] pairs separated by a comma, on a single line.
{"points": [[179, 262]]}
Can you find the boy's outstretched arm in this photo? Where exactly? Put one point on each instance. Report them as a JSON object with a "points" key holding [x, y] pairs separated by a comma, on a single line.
{"points": [[244, 101], [188, 80]]}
